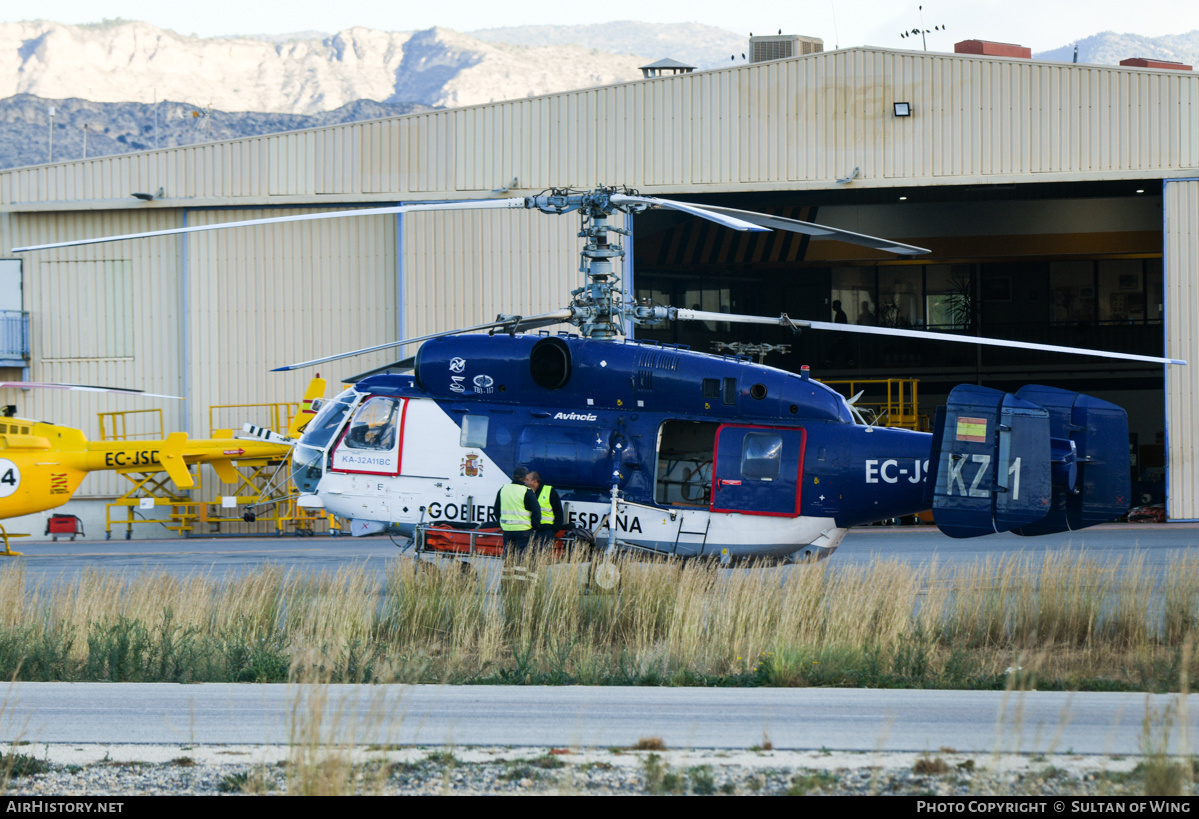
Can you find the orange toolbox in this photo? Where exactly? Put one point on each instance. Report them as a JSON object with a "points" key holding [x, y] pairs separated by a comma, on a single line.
{"points": [[487, 541]]}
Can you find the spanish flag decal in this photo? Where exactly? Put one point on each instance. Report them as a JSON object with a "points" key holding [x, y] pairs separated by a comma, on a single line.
{"points": [[972, 429]]}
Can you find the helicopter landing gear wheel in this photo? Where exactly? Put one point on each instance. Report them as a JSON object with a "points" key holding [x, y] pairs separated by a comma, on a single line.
{"points": [[605, 577]]}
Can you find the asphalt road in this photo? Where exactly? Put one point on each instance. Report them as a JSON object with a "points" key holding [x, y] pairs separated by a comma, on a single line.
{"points": [[581, 716], [837, 719], [1156, 544]]}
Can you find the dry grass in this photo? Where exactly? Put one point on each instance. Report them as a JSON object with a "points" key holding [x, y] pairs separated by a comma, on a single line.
{"points": [[1068, 619]]}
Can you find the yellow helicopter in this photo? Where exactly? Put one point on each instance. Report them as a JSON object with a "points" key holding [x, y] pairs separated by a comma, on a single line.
{"points": [[43, 464]]}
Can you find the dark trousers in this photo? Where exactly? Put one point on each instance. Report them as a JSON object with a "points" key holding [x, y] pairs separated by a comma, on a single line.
{"points": [[543, 538], [515, 543]]}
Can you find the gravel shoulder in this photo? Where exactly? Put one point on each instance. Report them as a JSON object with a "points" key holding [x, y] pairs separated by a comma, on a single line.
{"points": [[136, 770]]}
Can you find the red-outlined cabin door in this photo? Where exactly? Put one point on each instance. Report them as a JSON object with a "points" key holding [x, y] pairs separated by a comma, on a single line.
{"points": [[757, 470], [370, 444]]}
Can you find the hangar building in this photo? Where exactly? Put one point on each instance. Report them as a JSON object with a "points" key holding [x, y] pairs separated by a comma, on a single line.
{"points": [[1060, 201]]}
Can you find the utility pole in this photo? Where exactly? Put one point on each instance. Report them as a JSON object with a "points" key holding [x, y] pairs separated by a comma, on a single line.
{"points": [[51, 109], [85, 140]]}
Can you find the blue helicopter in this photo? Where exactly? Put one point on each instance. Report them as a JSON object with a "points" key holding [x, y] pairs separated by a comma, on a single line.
{"points": [[657, 448]]}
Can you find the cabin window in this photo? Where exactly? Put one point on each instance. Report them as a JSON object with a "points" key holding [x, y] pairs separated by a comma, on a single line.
{"points": [[761, 456], [374, 425], [728, 393], [324, 426], [474, 431]]}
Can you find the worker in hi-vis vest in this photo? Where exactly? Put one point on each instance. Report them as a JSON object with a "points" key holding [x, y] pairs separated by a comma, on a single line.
{"points": [[551, 510], [517, 511]]}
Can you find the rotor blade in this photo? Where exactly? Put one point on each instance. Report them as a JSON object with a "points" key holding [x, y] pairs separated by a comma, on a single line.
{"points": [[466, 204], [544, 320], [686, 207], [813, 229], [38, 385], [403, 365], [784, 321], [519, 322]]}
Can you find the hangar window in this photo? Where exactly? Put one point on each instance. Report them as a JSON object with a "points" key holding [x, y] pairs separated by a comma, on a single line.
{"points": [[855, 288], [1153, 289], [710, 300], [1072, 287], [1121, 290], [948, 296], [899, 297]]}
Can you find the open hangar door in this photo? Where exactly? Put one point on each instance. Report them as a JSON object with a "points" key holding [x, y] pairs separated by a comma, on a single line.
{"points": [[1070, 264]]}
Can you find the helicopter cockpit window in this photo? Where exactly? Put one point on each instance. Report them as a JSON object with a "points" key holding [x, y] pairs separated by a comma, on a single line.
{"points": [[761, 456], [374, 425], [324, 426], [474, 431]]}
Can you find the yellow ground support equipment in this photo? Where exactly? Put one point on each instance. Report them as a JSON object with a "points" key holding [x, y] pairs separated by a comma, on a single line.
{"points": [[901, 407], [262, 498], [115, 426]]}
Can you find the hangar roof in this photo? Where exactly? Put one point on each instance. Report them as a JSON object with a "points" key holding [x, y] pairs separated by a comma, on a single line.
{"points": [[795, 124]]}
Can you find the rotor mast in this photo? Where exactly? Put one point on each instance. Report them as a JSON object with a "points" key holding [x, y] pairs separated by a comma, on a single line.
{"points": [[599, 308]]}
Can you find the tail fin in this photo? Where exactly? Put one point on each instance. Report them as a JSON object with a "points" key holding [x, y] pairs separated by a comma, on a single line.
{"points": [[1042, 461], [308, 408], [992, 456], [1097, 433], [173, 463]]}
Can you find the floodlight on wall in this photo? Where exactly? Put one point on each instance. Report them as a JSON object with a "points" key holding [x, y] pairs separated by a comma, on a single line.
{"points": [[149, 197], [903, 109]]}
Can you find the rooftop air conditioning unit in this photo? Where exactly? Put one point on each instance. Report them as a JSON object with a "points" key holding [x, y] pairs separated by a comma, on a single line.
{"points": [[782, 46]]}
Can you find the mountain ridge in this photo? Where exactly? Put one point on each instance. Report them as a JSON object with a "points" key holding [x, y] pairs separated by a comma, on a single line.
{"points": [[107, 75]]}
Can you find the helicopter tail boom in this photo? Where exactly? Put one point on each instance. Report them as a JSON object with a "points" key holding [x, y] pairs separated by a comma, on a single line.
{"points": [[1044, 460]]}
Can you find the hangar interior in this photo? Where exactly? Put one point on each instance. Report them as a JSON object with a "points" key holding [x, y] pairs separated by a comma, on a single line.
{"points": [[1067, 264]]}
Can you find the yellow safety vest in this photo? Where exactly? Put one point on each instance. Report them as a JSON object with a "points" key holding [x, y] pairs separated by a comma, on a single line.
{"points": [[514, 517], [547, 508]]}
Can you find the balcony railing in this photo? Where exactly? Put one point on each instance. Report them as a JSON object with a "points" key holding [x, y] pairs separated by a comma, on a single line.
{"points": [[14, 338]]}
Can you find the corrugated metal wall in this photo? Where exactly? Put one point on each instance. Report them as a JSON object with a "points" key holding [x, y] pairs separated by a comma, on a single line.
{"points": [[1181, 273], [81, 334], [463, 268], [260, 297]]}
